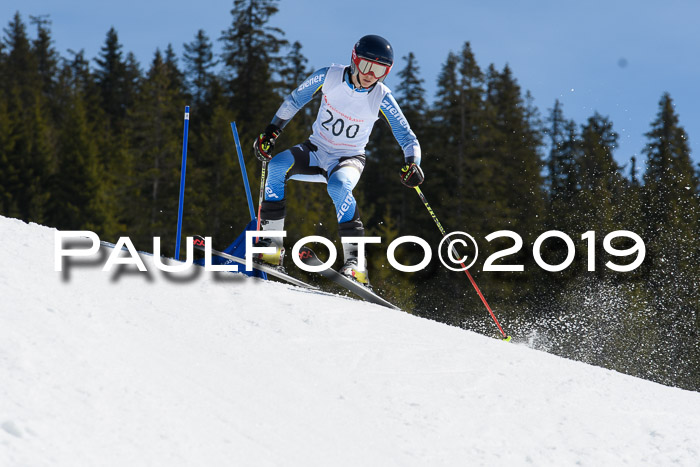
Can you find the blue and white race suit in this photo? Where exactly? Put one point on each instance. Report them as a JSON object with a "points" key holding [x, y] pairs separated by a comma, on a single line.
{"points": [[335, 152]]}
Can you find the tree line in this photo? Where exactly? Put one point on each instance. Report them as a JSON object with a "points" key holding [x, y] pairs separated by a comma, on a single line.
{"points": [[95, 144]]}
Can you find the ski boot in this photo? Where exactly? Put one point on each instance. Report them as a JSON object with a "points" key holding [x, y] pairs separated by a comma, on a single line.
{"points": [[271, 259], [351, 269]]}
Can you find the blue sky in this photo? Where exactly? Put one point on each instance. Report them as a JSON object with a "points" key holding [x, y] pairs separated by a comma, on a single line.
{"points": [[615, 57]]}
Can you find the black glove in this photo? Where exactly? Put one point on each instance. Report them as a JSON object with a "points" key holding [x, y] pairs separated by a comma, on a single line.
{"points": [[265, 143], [412, 175]]}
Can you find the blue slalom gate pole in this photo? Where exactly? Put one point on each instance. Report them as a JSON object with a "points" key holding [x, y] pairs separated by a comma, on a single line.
{"points": [[243, 171], [183, 171]]}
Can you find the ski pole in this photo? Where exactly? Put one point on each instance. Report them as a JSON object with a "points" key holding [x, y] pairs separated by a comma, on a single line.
{"points": [[183, 171], [471, 279], [244, 173], [262, 193]]}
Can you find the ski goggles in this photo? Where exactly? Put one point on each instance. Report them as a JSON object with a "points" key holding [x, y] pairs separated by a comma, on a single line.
{"points": [[376, 69]]}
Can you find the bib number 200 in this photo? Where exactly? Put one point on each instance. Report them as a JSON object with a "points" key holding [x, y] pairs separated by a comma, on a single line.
{"points": [[338, 126]]}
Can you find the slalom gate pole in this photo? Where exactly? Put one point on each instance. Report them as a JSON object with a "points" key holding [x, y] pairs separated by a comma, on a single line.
{"points": [[244, 173], [183, 171], [262, 193], [471, 279]]}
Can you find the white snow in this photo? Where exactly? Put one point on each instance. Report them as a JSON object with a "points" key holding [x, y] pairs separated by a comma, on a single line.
{"points": [[211, 369]]}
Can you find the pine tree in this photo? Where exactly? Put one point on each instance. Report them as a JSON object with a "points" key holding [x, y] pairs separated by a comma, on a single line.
{"points": [[570, 153], [600, 185], [156, 141], [556, 171], [77, 194], [5, 138], [599, 175], [458, 185], [251, 57], [20, 62], [631, 210], [410, 91], [561, 168], [112, 80], [670, 193], [84, 82], [132, 79], [80, 72], [670, 189], [515, 150], [199, 63], [462, 170], [562, 188], [252, 61], [410, 94], [671, 266], [116, 81], [444, 119], [294, 71], [207, 163], [30, 160], [7, 171], [176, 78], [514, 190], [46, 55], [216, 202]]}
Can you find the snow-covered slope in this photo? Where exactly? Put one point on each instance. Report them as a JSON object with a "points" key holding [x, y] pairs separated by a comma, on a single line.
{"points": [[209, 369]]}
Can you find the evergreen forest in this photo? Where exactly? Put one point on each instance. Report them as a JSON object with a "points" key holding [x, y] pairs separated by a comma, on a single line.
{"points": [[95, 143]]}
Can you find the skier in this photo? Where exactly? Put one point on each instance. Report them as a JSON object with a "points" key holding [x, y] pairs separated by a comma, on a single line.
{"points": [[353, 97]]}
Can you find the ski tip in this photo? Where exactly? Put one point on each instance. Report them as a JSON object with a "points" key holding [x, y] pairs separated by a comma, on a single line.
{"points": [[306, 253]]}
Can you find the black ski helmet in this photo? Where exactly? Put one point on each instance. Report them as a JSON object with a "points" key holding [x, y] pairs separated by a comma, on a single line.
{"points": [[373, 48]]}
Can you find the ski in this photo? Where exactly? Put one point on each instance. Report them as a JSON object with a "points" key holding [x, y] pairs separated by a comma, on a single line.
{"points": [[308, 257], [199, 243]]}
